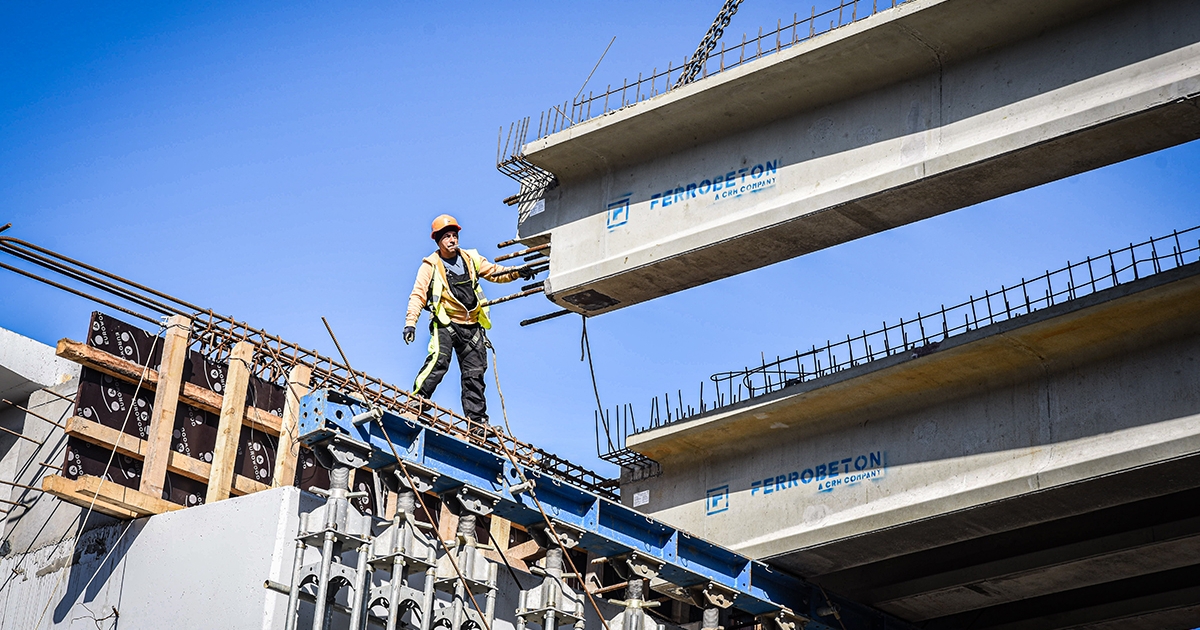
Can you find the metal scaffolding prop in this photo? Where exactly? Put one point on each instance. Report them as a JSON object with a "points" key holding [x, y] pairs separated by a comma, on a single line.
{"points": [[475, 482], [215, 336]]}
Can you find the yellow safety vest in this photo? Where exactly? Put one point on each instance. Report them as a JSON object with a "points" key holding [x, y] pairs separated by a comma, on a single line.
{"points": [[438, 287]]}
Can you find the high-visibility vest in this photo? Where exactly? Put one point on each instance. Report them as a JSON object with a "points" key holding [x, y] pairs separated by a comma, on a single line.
{"points": [[438, 287]]}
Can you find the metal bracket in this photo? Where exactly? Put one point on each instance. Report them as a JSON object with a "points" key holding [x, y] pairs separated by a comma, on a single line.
{"points": [[784, 620], [470, 499], [641, 566], [569, 535], [713, 595], [342, 450], [422, 480]]}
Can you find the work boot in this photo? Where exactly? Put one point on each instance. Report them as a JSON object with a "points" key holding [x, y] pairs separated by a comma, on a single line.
{"points": [[482, 430], [413, 409]]}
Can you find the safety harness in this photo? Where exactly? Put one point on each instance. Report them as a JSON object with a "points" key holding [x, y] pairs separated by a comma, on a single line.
{"points": [[439, 287]]}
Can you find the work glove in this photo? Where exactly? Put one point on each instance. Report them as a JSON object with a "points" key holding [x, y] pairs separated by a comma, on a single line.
{"points": [[410, 334], [526, 273]]}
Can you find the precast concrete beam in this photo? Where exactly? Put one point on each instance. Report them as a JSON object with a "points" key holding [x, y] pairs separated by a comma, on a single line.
{"points": [[1084, 391], [1040, 472], [916, 111]]}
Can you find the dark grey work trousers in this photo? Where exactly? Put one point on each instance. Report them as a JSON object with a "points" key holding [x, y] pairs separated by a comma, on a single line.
{"points": [[469, 342]]}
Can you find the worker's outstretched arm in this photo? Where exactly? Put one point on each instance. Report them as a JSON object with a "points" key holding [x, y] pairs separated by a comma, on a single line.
{"points": [[418, 297], [496, 273]]}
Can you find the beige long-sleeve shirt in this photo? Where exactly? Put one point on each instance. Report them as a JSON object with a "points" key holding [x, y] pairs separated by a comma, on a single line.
{"points": [[458, 313]]}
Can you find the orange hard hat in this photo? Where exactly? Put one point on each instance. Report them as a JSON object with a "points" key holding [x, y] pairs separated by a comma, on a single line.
{"points": [[441, 223]]}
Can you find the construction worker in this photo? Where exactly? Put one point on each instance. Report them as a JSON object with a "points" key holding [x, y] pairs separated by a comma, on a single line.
{"points": [[448, 285]]}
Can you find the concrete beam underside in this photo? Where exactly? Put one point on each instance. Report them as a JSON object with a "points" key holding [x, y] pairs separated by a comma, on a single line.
{"points": [[911, 113]]}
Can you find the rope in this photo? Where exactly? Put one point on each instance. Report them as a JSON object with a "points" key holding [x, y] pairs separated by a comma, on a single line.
{"points": [[533, 495], [496, 374], [833, 609], [585, 349]]}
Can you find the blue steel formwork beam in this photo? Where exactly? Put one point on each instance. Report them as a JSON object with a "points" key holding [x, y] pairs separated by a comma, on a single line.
{"points": [[604, 528]]}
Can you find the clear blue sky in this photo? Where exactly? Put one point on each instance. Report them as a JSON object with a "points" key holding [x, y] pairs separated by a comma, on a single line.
{"points": [[278, 164]]}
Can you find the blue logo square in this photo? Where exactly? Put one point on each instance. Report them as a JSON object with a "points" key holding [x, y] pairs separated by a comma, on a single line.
{"points": [[717, 500], [618, 213]]}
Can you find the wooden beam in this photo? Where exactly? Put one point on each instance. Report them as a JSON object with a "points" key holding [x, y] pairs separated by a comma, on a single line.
{"points": [[513, 562], [229, 429], [523, 551], [289, 437], [114, 498], [500, 530], [64, 489], [166, 401], [130, 372], [109, 364], [131, 446]]}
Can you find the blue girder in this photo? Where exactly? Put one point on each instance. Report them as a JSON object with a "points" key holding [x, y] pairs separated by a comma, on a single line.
{"points": [[605, 528]]}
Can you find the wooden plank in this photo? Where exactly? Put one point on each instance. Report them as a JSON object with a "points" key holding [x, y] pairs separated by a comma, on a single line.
{"points": [[245, 485], [392, 501], [210, 401], [64, 489], [447, 524], [120, 496], [128, 371], [518, 556], [166, 401], [500, 530], [131, 446], [108, 437], [109, 364], [289, 438], [229, 429], [110, 498]]}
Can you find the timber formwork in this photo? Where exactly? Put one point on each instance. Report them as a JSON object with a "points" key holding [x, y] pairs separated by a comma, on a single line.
{"points": [[158, 427]]}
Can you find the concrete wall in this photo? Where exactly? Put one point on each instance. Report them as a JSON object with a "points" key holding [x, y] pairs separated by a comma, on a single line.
{"points": [[26, 366], [916, 111], [202, 567], [196, 568]]}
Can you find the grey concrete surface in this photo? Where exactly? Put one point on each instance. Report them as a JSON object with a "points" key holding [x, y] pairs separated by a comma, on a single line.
{"points": [[196, 568], [202, 567], [917, 111], [26, 365], [41, 519]]}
